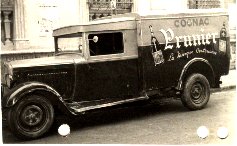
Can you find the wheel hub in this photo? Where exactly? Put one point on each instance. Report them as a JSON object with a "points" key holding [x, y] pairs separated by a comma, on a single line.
{"points": [[196, 91], [32, 115]]}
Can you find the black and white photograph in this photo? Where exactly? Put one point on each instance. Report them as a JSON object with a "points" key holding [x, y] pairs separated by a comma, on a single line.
{"points": [[130, 72]]}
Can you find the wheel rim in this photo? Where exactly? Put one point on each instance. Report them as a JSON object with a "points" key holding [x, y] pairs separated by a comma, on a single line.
{"points": [[31, 115], [197, 93]]}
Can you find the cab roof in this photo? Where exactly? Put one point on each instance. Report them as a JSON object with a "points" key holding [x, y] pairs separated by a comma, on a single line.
{"points": [[110, 23]]}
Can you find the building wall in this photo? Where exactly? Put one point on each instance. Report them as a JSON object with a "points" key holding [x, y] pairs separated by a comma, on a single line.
{"points": [[45, 15], [34, 21], [141, 6]]}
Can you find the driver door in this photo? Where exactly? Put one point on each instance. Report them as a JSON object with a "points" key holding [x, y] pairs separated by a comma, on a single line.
{"points": [[109, 72]]}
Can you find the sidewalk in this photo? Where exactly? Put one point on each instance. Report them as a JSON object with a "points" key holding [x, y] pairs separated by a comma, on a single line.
{"points": [[228, 82]]}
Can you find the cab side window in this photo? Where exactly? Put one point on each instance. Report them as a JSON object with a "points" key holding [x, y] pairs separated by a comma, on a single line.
{"points": [[108, 43]]}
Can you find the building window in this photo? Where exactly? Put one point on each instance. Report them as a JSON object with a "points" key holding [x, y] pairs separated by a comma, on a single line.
{"points": [[203, 4], [102, 8], [108, 43]]}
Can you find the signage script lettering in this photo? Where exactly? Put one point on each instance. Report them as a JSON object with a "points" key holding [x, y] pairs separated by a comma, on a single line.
{"points": [[180, 54], [189, 40]]}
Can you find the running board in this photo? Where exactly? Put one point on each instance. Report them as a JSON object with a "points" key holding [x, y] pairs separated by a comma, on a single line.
{"points": [[80, 107]]}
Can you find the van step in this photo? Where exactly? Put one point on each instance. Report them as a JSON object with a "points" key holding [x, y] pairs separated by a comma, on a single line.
{"points": [[80, 107]]}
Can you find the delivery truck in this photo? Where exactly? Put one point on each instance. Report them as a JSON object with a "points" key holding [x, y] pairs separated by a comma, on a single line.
{"points": [[116, 60]]}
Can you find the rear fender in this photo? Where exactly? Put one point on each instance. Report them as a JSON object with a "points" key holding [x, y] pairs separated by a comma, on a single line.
{"points": [[189, 65]]}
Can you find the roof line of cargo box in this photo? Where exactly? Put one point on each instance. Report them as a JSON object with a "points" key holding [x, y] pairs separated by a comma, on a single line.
{"points": [[128, 20]]}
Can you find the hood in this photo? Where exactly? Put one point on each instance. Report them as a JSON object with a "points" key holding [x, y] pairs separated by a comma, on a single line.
{"points": [[47, 61]]}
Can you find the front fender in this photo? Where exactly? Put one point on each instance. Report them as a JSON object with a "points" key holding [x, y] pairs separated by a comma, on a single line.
{"points": [[20, 90]]}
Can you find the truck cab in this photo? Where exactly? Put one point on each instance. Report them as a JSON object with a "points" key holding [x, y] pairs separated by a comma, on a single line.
{"points": [[110, 66], [116, 60]]}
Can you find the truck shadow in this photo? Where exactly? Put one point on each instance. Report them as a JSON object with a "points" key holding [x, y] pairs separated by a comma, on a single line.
{"points": [[108, 116], [121, 113]]}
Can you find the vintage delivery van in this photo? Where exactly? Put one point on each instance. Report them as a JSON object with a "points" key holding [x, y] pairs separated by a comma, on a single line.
{"points": [[120, 59]]}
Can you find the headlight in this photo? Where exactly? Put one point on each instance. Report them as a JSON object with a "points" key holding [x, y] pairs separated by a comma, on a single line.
{"points": [[8, 69], [8, 74], [8, 80]]}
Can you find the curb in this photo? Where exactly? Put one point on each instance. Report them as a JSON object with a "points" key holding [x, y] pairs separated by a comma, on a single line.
{"points": [[213, 90]]}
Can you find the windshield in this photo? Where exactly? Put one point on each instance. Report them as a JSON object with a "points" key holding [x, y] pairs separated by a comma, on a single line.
{"points": [[69, 44]]}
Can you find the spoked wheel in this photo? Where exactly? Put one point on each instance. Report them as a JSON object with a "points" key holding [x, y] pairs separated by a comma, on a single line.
{"points": [[196, 92], [31, 117]]}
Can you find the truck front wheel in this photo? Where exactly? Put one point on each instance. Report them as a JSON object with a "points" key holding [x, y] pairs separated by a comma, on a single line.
{"points": [[31, 117], [196, 92]]}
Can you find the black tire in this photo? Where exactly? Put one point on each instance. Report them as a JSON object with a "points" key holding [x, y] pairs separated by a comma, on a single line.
{"points": [[196, 93], [31, 117]]}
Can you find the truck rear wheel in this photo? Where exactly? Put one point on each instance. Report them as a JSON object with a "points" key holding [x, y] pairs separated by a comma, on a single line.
{"points": [[196, 92], [31, 117]]}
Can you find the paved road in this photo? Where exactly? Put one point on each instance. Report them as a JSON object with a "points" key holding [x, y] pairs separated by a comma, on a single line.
{"points": [[168, 123]]}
